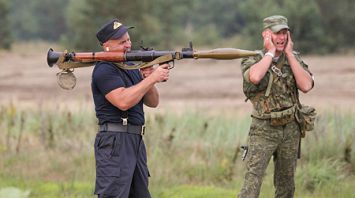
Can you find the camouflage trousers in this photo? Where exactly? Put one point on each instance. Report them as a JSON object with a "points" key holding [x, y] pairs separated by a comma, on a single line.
{"points": [[265, 141]]}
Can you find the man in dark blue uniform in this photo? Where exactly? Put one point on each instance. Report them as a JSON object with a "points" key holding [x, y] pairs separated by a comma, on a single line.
{"points": [[119, 95]]}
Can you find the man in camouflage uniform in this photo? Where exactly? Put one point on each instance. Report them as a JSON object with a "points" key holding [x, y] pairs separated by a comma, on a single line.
{"points": [[271, 82]]}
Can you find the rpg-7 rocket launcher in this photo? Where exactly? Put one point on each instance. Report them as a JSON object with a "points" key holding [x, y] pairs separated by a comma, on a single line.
{"points": [[146, 58]]}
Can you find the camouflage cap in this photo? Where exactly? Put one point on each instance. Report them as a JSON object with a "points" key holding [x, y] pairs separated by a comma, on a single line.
{"points": [[275, 23]]}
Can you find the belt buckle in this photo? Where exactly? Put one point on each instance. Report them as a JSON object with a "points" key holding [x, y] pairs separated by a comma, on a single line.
{"points": [[143, 130]]}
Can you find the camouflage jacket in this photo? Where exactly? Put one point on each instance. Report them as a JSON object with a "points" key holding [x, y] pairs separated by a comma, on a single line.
{"points": [[275, 94]]}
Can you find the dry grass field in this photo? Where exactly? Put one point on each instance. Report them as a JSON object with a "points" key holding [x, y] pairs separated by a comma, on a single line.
{"points": [[207, 85]]}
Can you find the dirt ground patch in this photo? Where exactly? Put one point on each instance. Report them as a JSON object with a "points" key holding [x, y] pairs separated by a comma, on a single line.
{"points": [[207, 85]]}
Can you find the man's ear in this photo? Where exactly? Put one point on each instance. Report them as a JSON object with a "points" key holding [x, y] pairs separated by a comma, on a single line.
{"points": [[106, 47]]}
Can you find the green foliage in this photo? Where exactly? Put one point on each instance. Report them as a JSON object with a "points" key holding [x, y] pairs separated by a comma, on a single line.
{"points": [[174, 22], [39, 19], [196, 192], [336, 20], [5, 31], [318, 26], [82, 28], [336, 131], [304, 21], [253, 16], [225, 16], [44, 189], [85, 17], [12, 192], [321, 173]]}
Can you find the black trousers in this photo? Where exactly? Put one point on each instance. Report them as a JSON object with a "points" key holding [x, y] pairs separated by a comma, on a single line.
{"points": [[121, 166]]}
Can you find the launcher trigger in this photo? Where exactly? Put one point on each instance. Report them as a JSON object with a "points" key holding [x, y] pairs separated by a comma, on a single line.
{"points": [[171, 65]]}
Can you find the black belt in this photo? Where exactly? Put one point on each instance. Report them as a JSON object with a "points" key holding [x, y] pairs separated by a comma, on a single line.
{"points": [[118, 127]]}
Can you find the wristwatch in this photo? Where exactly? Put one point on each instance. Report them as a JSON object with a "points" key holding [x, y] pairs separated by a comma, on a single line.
{"points": [[270, 54]]}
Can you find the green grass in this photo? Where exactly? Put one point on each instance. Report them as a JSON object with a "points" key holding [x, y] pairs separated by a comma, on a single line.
{"points": [[188, 191], [49, 152], [49, 189]]}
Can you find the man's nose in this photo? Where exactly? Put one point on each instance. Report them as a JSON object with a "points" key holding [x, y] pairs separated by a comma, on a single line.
{"points": [[128, 44]]}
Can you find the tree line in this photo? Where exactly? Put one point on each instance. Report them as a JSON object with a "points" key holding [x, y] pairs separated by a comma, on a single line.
{"points": [[318, 26]]}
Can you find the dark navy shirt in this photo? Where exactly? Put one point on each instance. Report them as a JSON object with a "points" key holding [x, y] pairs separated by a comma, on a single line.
{"points": [[107, 77]]}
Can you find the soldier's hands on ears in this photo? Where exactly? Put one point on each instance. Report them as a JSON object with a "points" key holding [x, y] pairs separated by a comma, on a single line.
{"points": [[268, 44], [289, 45]]}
